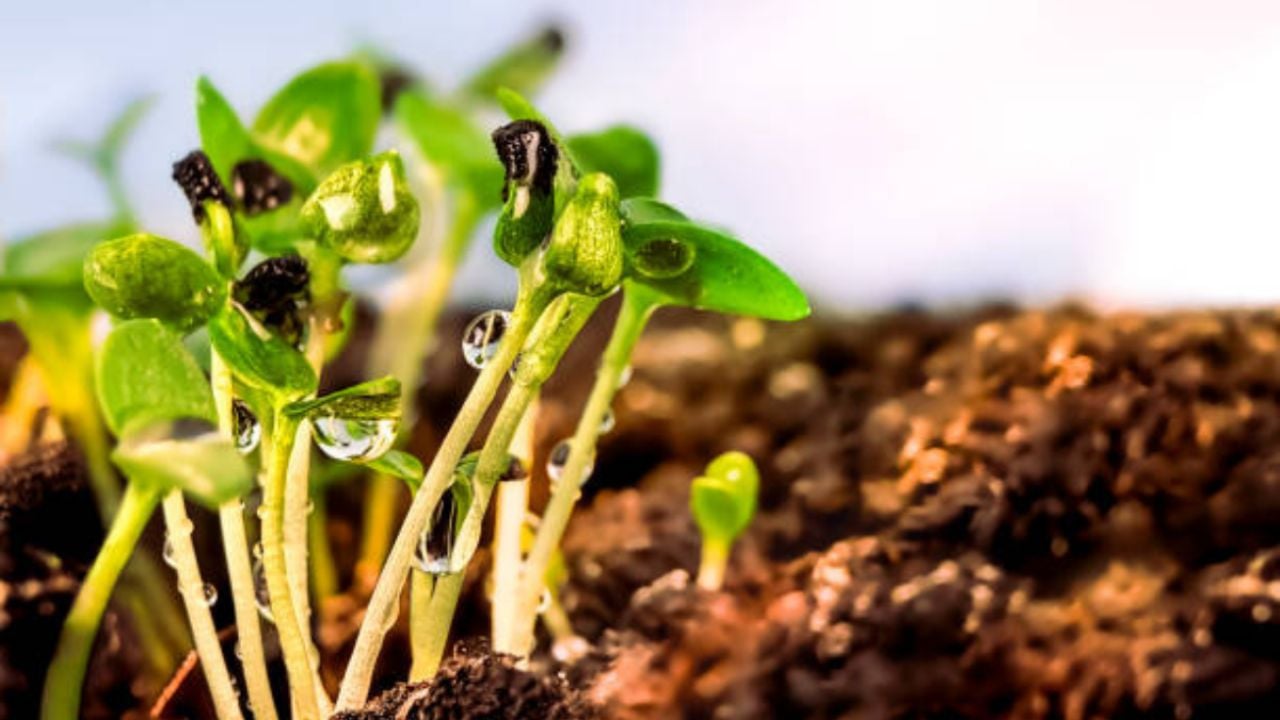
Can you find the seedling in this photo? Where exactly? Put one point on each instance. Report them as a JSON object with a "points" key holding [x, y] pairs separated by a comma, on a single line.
{"points": [[723, 501]]}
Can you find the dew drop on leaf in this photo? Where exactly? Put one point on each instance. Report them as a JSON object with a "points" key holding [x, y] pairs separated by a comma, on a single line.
{"points": [[245, 425], [663, 258], [483, 335], [354, 440]]}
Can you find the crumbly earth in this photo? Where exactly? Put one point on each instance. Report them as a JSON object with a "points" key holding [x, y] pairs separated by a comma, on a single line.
{"points": [[993, 513]]}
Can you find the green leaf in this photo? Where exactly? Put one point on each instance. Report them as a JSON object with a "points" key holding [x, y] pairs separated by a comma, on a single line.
{"points": [[222, 136], [724, 500], [518, 107], [623, 153], [373, 400], [364, 211], [724, 276], [399, 464], [104, 155], [324, 117], [144, 375], [207, 467], [259, 359], [145, 276], [55, 258], [524, 67], [452, 143], [585, 252], [642, 209]]}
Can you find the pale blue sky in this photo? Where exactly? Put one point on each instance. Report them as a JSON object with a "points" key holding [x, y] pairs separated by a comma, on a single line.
{"points": [[881, 149]]}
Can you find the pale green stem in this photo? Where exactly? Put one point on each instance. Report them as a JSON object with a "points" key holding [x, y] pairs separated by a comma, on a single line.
{"points": [[235, 546], [226, 701], [324, 572], [65, 679], [385, 600], [541, 355], [404, 336], [508, 529], [293, 640], [715, 557], [431, 635], [632, 317]]}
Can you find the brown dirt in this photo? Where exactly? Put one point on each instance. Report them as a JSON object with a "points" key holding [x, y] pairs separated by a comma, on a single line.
{"points": [[1045, 514]]}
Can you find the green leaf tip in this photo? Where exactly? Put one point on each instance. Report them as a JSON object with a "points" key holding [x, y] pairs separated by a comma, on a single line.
{"points": [[584, 254], [364, 211], [373, 400], [145, 375], [725, 275], [146, 276], [723, 500], [399, 464]]}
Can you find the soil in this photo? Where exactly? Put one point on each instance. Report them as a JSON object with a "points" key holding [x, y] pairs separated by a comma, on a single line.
{"points": [[991, 513]]}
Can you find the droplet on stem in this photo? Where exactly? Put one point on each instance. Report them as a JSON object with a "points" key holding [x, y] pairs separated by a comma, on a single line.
{"points": [[245, 425], [483, 335], [436, 544]]}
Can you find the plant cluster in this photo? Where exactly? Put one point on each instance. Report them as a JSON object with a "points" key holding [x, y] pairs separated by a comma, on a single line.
{"points": [[208, 378]]}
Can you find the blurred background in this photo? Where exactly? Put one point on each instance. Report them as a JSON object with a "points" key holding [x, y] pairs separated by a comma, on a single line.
{"points": [[884, 151]]}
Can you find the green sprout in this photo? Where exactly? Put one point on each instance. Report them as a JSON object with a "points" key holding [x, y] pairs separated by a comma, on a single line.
{"points": [[301, 192], [723, 501]]}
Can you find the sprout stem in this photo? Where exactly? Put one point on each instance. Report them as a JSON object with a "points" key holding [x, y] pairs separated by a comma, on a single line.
{"points": [[632, 317], [65, 679], [293, 641], [541, 354], [509, 518], [404, 336], [429, 625], [178, 526], [235, 546], [715, 558], [380, 615]]}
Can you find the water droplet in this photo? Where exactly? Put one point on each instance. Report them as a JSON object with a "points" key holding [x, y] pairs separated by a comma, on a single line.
{"points": [[663, 258], [544, 601], [210, 594], [483, 335], [261, 597], [624, 377], [168, 552], [570, 649], [607, 422], [354, 440], [311, 506], [436, 544], [245, 425], [559, 458], [239, 651]]}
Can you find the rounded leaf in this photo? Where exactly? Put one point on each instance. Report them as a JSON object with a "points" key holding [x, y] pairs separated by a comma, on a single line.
{"points": [[145, 375], [207, 467], [715, 509], [725, 276], [324, 117], [145, 276], [258, 358], [624, 154], [365, 211]]}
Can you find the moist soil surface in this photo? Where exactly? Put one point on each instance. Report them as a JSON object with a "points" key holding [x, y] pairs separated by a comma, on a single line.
{"points": [[986, 514]]}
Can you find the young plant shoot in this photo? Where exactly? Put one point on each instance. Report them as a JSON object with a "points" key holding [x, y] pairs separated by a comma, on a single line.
{"points": [[723, 501]]}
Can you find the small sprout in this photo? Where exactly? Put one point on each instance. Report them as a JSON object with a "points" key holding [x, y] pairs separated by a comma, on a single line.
{"points": [[145, 276], [199, 182], [258, 187], [530, 158], [365, 211], [584, 254], [723, 502]]}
